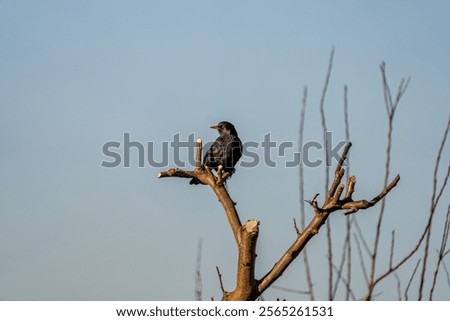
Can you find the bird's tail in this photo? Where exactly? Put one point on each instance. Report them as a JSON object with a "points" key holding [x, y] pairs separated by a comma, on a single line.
{"points": [[194, 181]]}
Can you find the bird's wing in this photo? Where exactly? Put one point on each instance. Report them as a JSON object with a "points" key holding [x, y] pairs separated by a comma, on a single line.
{"points": [[214, 154], [233, 152]]}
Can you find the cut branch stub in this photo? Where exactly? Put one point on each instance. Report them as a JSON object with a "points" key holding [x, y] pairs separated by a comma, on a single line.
{"points": [[198, 154], [246, 283]]}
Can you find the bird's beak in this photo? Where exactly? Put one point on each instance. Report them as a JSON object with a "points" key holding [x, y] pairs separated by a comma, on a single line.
{"points": [[215, 127]]}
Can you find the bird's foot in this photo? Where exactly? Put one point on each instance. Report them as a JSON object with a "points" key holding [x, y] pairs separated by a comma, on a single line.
{"points": [[222, 176]]}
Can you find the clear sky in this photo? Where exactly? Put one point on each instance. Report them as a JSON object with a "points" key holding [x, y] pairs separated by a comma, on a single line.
{"points": [[77, 74]]}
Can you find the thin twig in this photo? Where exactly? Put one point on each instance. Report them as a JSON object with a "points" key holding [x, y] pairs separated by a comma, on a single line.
{"points": [[277, 287], [391, 256], [399, 287], [348, 223], [300, 147], [434, 203], [327, 173], [296, 227], [442, 251], [363, 240], [438, 160], [411, 279], [361, 259], [447, 273], [341, 268], [198, 274], [346, 253], [391, 107], [322, 114], [220, 280], [347, 285], [302, 192]]}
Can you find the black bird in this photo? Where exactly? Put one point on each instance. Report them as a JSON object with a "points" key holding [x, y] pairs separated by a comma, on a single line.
{"points": [[225, 151]]}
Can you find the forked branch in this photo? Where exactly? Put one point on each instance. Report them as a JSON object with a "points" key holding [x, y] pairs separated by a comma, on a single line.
{"points": [[332, 203]]}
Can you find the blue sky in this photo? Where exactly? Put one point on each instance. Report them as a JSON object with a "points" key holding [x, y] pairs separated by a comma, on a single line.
{"points": [[75, 75]]}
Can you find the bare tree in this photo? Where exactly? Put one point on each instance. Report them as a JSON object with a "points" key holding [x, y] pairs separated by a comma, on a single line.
{"points": [[338, 197], [369, 270], [246, 235]]}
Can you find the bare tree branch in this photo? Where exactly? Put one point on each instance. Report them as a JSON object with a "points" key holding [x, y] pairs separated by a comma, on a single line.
{"points": [[277, 287], [206, 177], [348, 225], [399, 286], [219, 275], [300, 167], [434, 203], [347, 285], [245, 235], [391, 107], [354, 206], [302, 194], [327, 173], [391, 256], [442, 251], [447, 273], [198, 274], [320, 217], [339, 270], [322, 113], [411, 279], [424, 233], [361, 259], [361, 236]]}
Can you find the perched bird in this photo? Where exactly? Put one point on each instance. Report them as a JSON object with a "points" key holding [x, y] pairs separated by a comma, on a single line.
{"points": [[225, 151]]}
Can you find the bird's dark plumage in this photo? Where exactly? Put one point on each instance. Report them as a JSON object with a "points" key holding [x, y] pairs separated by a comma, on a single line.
{"points": [[225, 151]]}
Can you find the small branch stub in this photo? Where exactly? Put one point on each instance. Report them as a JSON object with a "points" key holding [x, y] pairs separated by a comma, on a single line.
{"points": [[252, 226], [198, 156]]}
